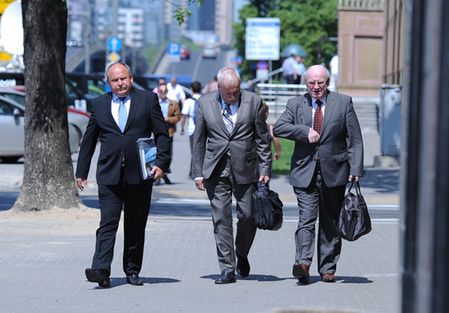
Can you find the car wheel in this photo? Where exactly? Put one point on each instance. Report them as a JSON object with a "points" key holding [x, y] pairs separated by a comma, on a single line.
{"points": [[74, 138], [10, 159]]}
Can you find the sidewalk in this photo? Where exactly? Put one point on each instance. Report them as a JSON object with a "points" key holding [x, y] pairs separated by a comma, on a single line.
{"points": [[43, 256]]}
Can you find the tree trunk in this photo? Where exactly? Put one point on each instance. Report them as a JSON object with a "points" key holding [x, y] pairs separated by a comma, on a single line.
{"points": [[48, 180]]}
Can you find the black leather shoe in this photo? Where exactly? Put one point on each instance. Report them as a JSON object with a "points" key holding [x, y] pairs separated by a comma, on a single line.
{"points": [[243, 267], [301, 271], [166, 180], [134, 279], [98, 276], [227, 277]]}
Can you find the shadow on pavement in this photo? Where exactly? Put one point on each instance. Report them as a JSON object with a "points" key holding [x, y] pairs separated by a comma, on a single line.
{"points": [[381, 180]]}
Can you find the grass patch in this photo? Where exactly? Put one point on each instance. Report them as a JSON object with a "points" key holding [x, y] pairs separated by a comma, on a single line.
{"points": [[282, 166]]}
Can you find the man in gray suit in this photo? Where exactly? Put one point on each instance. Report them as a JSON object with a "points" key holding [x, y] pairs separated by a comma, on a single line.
{"points": [[328, 152], [231, 152]]}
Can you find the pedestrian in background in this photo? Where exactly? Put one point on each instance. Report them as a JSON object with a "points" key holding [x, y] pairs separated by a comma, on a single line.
{"points": [[210, 86], [300, 69], [274, 140], [289, 69], [175, 92], [172, 115], [118, 119], [188, 114], [161, 81], [231, 152], [328, 153]]}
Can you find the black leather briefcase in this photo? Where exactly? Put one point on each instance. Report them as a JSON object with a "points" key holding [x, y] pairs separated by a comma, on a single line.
{"points": [[268, 208]]}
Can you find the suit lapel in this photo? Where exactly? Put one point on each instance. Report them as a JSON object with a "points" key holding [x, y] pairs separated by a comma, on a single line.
{"points": [[216, 108], [330, 104], [307, 110], [108, 110], [242, 111], [133, 105]]}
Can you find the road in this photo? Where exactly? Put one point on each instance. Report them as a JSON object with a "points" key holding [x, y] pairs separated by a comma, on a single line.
{"points": [[197, 67]]}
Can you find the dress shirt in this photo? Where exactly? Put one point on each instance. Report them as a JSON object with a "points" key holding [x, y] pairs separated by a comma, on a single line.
{"points": [[115, 104]]}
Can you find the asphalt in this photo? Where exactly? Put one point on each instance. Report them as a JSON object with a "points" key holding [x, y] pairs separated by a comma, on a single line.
{"points": [[43, 256]]}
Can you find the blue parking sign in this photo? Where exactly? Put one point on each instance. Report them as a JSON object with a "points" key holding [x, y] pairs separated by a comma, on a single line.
{"points": [[174, 51]]}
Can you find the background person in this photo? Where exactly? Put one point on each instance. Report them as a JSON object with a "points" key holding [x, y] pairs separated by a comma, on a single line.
{"points": [[231, 152], [175, 92], [172, 115], [118, 119], [274, 140], [188, 114], [289, 69], [328, 152]]}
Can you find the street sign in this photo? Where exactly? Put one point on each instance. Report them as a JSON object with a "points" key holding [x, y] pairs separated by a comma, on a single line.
{"points": [[262, 40], [174, 51], [113, 57], [114, 44]]}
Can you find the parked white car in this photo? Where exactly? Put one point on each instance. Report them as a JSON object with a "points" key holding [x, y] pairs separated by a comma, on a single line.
{"points": [[12, 135]]}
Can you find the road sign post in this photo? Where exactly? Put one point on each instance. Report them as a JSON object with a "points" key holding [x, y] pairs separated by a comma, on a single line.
{"points": [[174, 52]]}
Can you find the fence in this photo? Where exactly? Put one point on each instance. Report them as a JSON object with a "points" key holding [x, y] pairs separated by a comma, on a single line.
{"points": [[277, 95]]}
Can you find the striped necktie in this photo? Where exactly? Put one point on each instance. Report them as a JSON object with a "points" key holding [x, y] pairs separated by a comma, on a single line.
{"points": [[122, 114], [227, 117]]}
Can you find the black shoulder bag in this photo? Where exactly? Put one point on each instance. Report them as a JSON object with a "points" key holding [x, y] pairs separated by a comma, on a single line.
{"points": [[354, 220], [268, 208]]}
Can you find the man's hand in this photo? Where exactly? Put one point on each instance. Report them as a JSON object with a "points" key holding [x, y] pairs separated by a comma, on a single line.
{"points": [[353, 177], [199, 182], [264, 179], [81, 183], [313, 136], [157, 173]]}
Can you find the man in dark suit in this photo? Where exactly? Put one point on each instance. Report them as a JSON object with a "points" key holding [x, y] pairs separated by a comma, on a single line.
{"points": [[328, 152], [231, 152], [118, 119]]}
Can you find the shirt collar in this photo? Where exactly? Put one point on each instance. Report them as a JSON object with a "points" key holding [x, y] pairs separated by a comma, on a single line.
{"points": [[118, 99], [323, 102]]}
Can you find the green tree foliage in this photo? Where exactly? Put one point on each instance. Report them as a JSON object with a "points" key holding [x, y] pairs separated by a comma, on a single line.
{"points": [[247, 11], [264, 6], [309, 23]]}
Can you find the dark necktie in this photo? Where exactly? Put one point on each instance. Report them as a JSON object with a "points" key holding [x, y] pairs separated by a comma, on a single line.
{"points": [[122, 114], [227, 117], [318, 117]]}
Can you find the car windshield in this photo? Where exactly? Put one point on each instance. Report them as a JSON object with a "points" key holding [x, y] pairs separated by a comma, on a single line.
{"points": [[20, 99]]}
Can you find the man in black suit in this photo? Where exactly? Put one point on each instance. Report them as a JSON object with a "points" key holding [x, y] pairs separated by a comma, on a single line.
{"points": [[328, 153], [118, 119]]}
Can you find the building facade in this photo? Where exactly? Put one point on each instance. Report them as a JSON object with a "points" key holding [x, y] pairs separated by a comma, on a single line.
{"points": [[360, 46]]}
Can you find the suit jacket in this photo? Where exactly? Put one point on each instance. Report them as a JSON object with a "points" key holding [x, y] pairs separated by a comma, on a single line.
{"points": [[248, 144], [173, 117], [119, 149], [340, 149]]}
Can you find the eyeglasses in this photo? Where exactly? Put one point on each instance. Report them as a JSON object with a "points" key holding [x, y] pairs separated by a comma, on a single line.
{"points": [[313, 83]]}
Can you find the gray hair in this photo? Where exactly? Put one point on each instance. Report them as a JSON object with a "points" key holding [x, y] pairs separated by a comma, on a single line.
{"points": [[108, 67], [228, 76], [323, 68]]}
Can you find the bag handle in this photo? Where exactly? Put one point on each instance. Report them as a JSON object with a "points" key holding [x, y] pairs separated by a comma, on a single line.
{"points": [[350, 186], [357, 188]]}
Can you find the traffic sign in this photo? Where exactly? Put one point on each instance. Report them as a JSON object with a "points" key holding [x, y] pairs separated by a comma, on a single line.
{"points": [[174, 51], [114, 44], [262, 38], [113, 57]]}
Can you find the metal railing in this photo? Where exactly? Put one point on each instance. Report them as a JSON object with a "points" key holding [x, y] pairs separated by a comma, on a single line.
{"points": [[277, 95]]}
